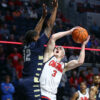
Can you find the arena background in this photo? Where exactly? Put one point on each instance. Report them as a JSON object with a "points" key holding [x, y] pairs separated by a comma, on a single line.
{"points": [[18, 16]]}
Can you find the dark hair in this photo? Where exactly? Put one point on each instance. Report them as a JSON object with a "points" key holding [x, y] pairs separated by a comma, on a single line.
{"points": [[29, 36], [83, 82]]}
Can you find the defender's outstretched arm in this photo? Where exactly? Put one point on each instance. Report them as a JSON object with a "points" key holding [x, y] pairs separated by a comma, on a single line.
{"points": [[51, 21], [40, 23]]}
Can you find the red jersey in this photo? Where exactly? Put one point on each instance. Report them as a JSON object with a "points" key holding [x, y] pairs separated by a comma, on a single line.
{"points": [[73, 82], [15, 58]]}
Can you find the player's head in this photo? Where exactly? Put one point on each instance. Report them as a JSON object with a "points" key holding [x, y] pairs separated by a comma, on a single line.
{"points": [[31, 36], [83, 85], [59, 52], [96, 79], [7, 79], [15, 50]]}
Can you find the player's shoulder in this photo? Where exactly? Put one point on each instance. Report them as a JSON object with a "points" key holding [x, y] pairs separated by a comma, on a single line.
{"points": [[30, 45], [51, 60], [93, 88], [87, 89]]}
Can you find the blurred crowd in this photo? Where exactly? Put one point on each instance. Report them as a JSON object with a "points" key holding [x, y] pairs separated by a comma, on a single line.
{"points": [[71, 81], [16, 17], [85, 6]]}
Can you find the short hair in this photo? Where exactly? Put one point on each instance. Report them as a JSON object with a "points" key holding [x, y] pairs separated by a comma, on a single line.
{"points": [[83, 82], [29, 36]]}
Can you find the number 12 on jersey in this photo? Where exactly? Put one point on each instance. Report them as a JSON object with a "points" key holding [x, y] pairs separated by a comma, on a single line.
{"points": [[54, 73], [26, 54]]}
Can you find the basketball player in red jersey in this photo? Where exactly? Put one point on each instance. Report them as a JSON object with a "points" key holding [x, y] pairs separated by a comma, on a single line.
{"points": [[54, 67]]}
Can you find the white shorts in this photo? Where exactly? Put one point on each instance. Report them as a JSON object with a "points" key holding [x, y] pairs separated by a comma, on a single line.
{"points": [[48, 94]]}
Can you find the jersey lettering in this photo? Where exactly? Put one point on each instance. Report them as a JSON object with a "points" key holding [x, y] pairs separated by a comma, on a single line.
{"points": [[56, 65], [84, 98]]}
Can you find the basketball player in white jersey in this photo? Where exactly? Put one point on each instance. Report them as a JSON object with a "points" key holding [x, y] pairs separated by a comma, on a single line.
{"points": [[54, 67], [82, 94]]}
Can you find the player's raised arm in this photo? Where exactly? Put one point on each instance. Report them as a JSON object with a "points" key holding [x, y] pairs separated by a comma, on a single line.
{"points": [[51, 44], [51, 21], [75, 63], [40, 23]]}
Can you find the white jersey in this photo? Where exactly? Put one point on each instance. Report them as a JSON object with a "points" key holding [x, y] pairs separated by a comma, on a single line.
{"points": [[83, 96], [51, 75]]}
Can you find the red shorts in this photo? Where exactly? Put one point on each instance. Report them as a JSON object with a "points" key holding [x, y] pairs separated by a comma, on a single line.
{"points": [[45, 98]]}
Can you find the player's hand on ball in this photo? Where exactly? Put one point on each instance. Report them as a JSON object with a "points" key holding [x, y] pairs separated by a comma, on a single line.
{"points": [[85, 42], [55, 3], [44, 10], [74, 28]]}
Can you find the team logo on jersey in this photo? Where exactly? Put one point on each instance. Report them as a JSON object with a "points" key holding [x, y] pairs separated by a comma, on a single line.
{"points": [[56, 65], [84, 98]]}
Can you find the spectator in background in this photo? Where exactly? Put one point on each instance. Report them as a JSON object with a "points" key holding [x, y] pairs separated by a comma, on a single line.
{"points": [[16, 13], [1, 32], [89, 76], [11, 2], [25, 14], [11, 37], [4, 4], [89, 44], [18, 3], [95, 89], [32, 13], [22, 9], [8, 16], [2, 56], [73, 81], [30, 4], [19, 69], [14, 58], [2, 61], [71, 3], [7, 89], [6, 32], [11, 5], [82, 76], [74, 56], [14, 30], [1, 16], [61, 89], [95, 29]]}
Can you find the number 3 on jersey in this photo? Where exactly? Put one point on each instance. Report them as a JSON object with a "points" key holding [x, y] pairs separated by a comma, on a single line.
{"points": [[54, 73]]}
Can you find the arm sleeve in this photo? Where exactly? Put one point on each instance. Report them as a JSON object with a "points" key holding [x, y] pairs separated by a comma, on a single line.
{"points": [[3, 89], [11, 89]]}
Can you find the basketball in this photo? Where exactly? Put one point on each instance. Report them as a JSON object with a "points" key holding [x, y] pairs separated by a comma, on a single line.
{"points": [[79, 35]]}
